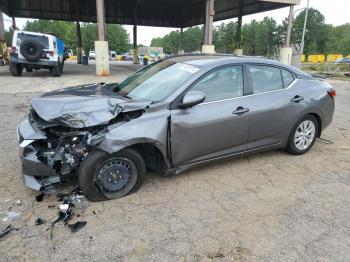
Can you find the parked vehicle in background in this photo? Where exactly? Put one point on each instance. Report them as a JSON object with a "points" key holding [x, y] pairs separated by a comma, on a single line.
{"points": [[170, 116], [34, 51], [70, 52], [112, 55], [92, 55], [125, 57], [2, 62], [344, 60]]}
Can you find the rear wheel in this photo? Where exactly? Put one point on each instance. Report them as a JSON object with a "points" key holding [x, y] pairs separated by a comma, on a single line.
{"points": [[16, 69], [57, 70], [303, 135], [105, 176]]}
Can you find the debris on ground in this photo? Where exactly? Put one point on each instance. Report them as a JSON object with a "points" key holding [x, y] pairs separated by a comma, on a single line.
{"points": [[7, 230], [65, 212], [77, 226], [19, 202], [8, 216], [40, 197], [39, 221]]}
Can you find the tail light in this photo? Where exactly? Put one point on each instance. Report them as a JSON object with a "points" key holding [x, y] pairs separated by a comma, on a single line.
{"points": [[50, 53], [332, 92], [12, 49]]}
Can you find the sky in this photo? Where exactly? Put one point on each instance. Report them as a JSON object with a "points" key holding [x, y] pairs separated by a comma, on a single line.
{"points": [[335, 11]]}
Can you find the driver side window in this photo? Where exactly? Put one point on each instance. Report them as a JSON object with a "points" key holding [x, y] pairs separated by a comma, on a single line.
{"points": [[223, 83]]}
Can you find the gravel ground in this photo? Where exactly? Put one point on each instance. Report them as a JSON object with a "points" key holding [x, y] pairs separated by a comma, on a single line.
{"points": [[264, 207]]}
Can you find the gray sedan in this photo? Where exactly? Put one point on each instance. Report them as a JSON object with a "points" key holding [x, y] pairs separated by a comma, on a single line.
{"points": [[168, 117]]}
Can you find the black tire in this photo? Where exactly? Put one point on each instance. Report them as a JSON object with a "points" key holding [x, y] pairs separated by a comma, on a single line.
{"points": [[57, 70], [16, 69], [91, 166], [31, 50], [62, 66], [291, 146]]}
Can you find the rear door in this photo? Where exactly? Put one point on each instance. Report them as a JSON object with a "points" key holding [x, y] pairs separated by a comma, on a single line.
{"points": [[216, 127], [273, 105]]}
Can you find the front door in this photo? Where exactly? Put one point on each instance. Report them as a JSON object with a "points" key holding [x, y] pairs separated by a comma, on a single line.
{"points": [[219, 126]]}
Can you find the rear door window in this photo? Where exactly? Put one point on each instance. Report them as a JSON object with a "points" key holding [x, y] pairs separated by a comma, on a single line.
{"points": [[265, 78], [43, 40], [288, 77]]}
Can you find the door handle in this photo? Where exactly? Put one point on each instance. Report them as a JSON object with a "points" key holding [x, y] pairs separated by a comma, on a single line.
{"points": [[240, 110], [297, 99]]}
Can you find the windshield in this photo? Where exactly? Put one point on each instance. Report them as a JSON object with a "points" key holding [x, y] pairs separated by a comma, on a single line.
{"points": [[157, 81]]}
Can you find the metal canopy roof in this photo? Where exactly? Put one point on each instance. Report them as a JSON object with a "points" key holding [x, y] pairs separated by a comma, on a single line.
{"points": [[164, 13]]}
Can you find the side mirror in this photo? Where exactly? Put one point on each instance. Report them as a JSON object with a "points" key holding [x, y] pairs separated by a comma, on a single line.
{"points": [[192, 98]]}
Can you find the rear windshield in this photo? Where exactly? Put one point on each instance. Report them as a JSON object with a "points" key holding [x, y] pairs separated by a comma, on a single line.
{"points": [[43, 40]]}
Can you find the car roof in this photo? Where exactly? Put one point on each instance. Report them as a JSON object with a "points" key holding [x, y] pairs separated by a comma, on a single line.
{"points": [[211, 60]]}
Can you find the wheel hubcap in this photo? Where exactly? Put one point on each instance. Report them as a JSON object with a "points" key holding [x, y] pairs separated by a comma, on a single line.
{"points": [[114, 174], [304, 135]]}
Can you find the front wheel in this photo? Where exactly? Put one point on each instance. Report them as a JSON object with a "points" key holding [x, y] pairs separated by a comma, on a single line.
{"points": [[16, 69], [105, 176], [303, 135]]}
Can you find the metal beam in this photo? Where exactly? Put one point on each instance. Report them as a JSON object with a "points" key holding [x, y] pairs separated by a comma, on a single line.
{"points": [[101, 20], [181, 38], [78, 48], [209, 19], [290, 23], [2, 28], [135, 51], [239, 24]]}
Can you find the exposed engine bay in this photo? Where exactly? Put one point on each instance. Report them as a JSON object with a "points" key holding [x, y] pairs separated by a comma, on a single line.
{"points": [[57, 136], [64, 147]]}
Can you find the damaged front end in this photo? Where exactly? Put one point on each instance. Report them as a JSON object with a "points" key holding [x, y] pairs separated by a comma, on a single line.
{"points": [[51, 153], [53, 142]]}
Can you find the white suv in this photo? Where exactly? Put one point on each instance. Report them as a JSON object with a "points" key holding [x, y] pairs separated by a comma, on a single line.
{"points": [[36, 51]]}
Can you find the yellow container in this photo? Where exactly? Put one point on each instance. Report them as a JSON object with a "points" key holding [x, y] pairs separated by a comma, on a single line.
{"points": [[333, 57], [72, 57], [303, 58], [316, 59]]}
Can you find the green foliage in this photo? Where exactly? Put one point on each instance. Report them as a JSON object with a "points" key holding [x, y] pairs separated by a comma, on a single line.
{"points": [[265, 38], [192, 40], [224, 37], [65, 30], [338, 39], [116, 35], [262, 38], [316, 34]]}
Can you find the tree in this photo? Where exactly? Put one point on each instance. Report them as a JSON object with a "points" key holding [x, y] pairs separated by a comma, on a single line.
{"points": [[224, 37], [191, 40], [65, 30], [116, 35], [316, 30], [118, 38], [338, 39], [262, 38]]}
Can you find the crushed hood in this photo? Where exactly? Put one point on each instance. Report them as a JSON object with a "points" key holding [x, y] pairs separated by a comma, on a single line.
{"points": [[84, 106]]}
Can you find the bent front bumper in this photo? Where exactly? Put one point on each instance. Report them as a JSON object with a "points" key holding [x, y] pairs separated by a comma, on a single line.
{"points": [[36, 174]]}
